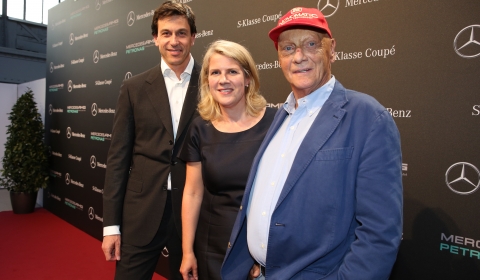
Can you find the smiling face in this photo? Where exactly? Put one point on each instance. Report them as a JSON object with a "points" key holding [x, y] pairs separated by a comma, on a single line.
{"points": [[227, 82], [305, 58], [174, 41]]}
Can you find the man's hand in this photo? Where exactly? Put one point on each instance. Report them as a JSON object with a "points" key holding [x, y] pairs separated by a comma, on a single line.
{"points": [[111, 247], [254, 271]]}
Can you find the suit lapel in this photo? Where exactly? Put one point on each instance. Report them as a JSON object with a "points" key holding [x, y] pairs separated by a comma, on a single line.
{"points": [[157, 92], [190, 102], [321, 130]]}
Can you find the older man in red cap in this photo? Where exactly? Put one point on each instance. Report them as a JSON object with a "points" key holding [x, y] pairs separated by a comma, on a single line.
{"points": [[324, 195]]}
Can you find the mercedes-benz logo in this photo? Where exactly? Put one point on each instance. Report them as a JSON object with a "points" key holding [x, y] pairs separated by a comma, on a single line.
{"points": [[465, 43], [50, 109], [91, 213], [93, 162], [96, 56], [131, 18], [98, 5], [67, 178], [165, 252], [463, 178], [128, 75], [70, 86], [328, 7], [51, 67], [69, 132], [72, 39], [94, 109]]}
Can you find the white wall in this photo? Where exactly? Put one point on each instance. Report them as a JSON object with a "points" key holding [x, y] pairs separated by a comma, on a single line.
{"points": [[8, 96], [38, 88]]}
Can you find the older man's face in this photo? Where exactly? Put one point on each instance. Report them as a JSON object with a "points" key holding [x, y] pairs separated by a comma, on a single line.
{"points": [[305, 57]]}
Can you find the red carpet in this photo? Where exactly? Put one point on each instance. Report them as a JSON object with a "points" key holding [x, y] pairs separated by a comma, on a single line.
{"points": [[42, 246]]}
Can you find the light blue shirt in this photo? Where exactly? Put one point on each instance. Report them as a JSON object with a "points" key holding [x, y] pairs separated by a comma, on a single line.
{"points": [[275, 166]]}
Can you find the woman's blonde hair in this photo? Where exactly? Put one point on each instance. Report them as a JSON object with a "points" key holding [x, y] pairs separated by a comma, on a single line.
{"points": [[208, 108]]}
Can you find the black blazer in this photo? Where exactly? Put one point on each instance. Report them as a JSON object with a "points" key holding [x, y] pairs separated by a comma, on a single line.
{"points": [[142, 143]]}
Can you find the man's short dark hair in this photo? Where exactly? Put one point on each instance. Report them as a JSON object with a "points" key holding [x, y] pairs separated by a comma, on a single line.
{"points": [[173, 8]]}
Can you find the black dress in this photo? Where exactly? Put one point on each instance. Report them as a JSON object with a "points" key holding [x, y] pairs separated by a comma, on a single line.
{"points": [[226, 160]]}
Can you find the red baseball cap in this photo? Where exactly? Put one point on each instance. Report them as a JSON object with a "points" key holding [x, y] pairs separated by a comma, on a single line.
{"points": [[297, 17]]}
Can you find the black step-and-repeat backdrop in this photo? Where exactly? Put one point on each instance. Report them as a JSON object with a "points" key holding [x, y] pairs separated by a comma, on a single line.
{"points": [[420, 59]]}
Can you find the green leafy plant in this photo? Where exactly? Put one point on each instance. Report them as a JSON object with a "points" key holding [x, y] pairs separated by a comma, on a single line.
{"points": [[25, 160]]}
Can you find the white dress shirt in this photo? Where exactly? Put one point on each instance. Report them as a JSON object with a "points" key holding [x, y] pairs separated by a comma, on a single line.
{"points": [[176, 89]]}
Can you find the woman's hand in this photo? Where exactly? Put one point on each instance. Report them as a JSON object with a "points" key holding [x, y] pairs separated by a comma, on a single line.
{"points": [[188, 269]]}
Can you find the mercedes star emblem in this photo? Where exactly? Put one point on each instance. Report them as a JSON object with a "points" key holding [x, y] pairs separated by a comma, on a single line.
{"points": [[131, 18], [165, 252], [67, 179], [94, 109], [93, 162], [128, 75], [328, 7], [463, 178], [96, 56], [91, 213], [466, 44]]}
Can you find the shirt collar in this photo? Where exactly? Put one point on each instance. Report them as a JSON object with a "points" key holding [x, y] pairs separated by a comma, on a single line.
{"points": [[167, 71], [312, 102]]}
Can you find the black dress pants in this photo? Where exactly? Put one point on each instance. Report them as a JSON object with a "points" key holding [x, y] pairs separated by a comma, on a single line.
{"points": [[140, 262]]}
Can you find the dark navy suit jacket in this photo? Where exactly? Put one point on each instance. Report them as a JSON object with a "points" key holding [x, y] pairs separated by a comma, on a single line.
{"points": [[339, 215]]}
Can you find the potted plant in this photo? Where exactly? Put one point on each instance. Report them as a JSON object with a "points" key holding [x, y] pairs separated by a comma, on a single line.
{"points": [[25, 161]]}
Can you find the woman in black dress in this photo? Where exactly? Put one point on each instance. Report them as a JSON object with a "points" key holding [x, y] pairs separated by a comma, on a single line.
{"points": [[219, 151]]}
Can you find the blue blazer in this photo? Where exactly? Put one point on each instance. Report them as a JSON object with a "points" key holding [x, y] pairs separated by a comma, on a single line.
{"points": [[339, 215]]}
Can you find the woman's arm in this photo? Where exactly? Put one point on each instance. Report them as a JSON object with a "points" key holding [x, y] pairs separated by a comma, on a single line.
{"points": [[192, 200]]}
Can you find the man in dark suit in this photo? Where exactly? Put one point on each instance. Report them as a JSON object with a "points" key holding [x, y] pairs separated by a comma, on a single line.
{"points": [[144, 181], [324, 195]]}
